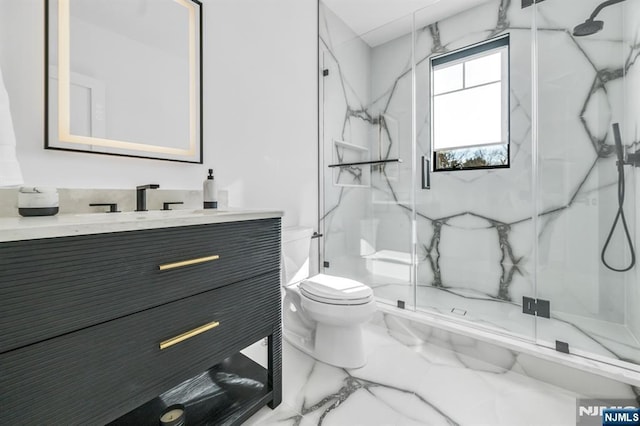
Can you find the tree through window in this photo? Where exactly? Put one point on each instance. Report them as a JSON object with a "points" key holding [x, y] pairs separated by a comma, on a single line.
{"points": [[470, 107]]}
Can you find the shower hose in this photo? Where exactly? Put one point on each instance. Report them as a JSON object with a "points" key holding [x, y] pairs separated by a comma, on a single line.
{"points": [[620, 215]]}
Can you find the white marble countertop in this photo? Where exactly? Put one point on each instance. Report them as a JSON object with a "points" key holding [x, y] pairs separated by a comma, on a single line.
{"points": [[62, 225]]}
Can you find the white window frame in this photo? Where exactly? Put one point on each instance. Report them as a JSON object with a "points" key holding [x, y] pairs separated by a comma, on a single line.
{"points": [[466, 54]]}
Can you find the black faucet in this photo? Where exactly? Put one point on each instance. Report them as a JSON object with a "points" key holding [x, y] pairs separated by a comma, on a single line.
{"points": [[141, 196]]}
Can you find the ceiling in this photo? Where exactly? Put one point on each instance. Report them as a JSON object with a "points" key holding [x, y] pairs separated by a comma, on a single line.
{"points": [[378, 21]]}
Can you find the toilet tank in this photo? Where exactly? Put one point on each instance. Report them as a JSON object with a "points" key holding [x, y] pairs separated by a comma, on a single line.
{"points": [[296, 243]]}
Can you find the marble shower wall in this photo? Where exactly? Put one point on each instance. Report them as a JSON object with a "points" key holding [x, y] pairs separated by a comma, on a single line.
{"points": [[351, 132], [584, 87], [481, 237], [342, 54], [582, 91], [632, 133], [359, 202], [475, 233]]}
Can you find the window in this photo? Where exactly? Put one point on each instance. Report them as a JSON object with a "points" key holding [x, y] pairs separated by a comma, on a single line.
{"points": [[470, 107]]}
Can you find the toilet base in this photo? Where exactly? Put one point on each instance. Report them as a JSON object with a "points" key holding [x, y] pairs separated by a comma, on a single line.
{"points": [[340, 346], [329, 333]]}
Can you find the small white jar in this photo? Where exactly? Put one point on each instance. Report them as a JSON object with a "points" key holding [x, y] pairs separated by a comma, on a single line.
{"points": [[38, 201]]}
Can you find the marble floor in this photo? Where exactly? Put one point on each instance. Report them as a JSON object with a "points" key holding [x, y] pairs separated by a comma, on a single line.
{"points": [[412, 384]]}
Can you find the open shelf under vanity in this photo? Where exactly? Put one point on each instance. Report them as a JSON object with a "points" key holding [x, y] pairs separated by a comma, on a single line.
{"points": [[228, 393]]}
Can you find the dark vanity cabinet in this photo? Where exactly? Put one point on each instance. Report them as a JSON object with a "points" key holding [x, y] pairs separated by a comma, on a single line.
{"points": [[96, 326]]}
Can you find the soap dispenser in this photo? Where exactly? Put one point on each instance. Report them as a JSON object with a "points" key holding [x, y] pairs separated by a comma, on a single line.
{"points": [[209, 192]]}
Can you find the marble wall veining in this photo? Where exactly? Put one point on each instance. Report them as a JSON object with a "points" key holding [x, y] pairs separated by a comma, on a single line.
{"points": [[476, 248], [472, 225], [344, 117], [632, 133], [584, 84]]}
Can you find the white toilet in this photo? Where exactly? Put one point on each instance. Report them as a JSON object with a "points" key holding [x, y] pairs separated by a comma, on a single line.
{"points": [[322, 315]]}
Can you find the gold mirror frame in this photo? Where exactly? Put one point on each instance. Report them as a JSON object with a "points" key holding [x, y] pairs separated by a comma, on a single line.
{"points": [[59, 136]]}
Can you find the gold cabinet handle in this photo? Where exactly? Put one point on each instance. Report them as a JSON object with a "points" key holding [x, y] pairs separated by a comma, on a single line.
{"points": [[188, 335], [174, 265]]}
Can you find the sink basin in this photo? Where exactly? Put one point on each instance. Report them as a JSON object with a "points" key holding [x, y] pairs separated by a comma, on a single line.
{"points": [[156, 214], [150, 214]]}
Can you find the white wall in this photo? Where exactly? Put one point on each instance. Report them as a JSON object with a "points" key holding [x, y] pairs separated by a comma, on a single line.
{"points": [[261, 103], [260, 108]]}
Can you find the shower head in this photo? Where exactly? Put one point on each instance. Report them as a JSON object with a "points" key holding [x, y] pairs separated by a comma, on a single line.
{"points": [[591, 26], [587, 28]]}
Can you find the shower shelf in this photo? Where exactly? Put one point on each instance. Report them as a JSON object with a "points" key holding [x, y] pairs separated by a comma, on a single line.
{"points": [[362, 163]]}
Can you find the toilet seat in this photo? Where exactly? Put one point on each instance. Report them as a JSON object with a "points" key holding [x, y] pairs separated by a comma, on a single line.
{"points": [[336, 290]]}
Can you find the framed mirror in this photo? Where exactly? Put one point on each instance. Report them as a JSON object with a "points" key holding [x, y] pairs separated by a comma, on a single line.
{"points": [[124, 77]]}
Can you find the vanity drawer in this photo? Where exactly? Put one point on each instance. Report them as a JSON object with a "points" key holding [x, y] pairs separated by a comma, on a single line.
{"points": [[55, 286], [95, 375]]}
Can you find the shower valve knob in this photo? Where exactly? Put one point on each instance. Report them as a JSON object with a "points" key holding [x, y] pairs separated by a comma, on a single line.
{"points": [[633, 159]]}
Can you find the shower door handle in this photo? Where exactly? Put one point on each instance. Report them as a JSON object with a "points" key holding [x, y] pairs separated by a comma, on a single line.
{"points": [[426, 173]]}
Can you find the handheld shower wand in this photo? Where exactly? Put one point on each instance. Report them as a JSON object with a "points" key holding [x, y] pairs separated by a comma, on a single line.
{"points": [[620, 214]]}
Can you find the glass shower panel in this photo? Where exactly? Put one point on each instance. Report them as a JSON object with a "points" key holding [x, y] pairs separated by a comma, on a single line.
{"points": [[588, 80], [366, 117], [474, 227]]}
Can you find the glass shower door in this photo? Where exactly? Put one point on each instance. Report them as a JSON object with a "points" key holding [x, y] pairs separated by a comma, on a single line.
{"points": [[366, 155], [558, 226], [475, 227], [588, 81]]}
